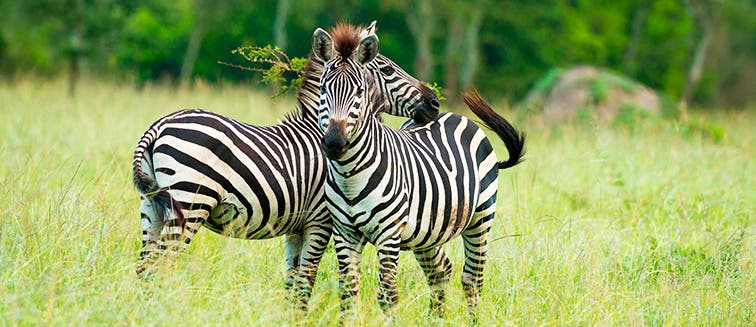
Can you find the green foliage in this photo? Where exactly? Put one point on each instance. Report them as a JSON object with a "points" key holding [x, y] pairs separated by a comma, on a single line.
{"points": [[598, 89], [277, 62], [701, 128], [666, 44], [601, 85], [437, 89], [154, 37], [547, 82], [633, 117], [520, 41]]}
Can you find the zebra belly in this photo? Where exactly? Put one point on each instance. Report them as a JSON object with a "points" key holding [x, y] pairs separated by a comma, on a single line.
{"points": [[416, 235], [230, 218]]}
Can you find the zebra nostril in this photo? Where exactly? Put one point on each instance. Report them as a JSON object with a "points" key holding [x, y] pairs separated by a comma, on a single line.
{"points": [[435, 103]]}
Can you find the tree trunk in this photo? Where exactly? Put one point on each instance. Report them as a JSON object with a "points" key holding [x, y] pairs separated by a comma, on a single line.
{"points": [[704, 14], [192, 50], [628, 60], [205, 11], [470, 48], [75, 45], [420, 22], [696, 66], [453, 56], [279, 35], [279, 24], [73, 73]]}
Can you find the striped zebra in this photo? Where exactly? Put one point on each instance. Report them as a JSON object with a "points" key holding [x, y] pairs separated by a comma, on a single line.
{"points": [[196, 168], [412, 189]]}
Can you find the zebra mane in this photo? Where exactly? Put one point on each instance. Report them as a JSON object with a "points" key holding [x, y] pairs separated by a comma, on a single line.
{"points": [[308, 94], [346, 38], [378, 101]]}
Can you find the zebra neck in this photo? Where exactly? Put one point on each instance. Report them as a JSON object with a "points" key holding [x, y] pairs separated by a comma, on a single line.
{"points": [[369, 168], [365, 149]]}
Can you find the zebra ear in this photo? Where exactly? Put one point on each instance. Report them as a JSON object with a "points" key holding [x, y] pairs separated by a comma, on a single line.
{"points": [[322, 45], [370, 30], [368, 49]]}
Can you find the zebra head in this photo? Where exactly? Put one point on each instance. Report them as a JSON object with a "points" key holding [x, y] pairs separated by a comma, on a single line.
{"points": [[350, 58], [405, 95]]}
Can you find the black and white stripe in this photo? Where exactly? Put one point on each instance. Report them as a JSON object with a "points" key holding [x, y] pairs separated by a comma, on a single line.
{"points": [[410, 189], [196, 168]]}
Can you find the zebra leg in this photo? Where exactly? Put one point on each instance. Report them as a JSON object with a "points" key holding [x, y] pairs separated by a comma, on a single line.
{"points": [[293, 250], [388, 259], [152, 224], [476, 247], [349, 254], [176, 239], [437, 269], [315, 241]]}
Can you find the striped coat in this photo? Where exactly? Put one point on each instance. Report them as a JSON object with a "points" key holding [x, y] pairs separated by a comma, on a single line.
{"points": [[412, 189], [195, 168]]}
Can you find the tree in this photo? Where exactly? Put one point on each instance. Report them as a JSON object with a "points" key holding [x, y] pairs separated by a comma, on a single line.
{"points": [[279, 25], [462, 45], [421, 22], [705, 14], [80, 29]]}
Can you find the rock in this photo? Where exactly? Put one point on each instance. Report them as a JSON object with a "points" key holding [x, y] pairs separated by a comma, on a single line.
{"points": [[562, 95]]}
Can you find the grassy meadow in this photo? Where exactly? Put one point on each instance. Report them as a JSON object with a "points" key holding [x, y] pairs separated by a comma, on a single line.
{"points": [[641, 222]]}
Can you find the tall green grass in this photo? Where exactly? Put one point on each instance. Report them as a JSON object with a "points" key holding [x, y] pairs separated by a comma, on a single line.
{"points": [[649, 224]]}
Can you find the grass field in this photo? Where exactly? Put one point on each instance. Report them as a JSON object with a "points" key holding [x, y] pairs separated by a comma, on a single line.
{"points": [[648, 222]]}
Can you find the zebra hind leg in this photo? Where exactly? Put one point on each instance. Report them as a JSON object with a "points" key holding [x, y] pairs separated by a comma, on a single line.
{"points": [[437, 269], [150, 253], [476, 248], [175, 236], [293, 251]]}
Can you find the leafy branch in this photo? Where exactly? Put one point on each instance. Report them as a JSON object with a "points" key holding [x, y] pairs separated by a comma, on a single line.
{"points": [[273, 63], [437, 89]]}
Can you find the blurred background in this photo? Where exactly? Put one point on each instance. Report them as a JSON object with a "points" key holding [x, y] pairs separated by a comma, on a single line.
{"points": [[702, 52]]}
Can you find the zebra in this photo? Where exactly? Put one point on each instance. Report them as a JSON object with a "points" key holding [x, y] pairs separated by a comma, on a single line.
{"points": [[413, 189], [196, 168]]}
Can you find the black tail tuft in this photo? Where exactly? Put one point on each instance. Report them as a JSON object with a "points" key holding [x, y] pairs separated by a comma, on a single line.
{"points": [[514, 140]]}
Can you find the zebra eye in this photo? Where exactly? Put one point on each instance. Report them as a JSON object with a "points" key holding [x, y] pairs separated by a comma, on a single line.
{"points": [[322, 88], [359, 91], [388, 70]]}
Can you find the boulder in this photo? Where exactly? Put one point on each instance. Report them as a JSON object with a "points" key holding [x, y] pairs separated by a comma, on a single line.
{"points": [[563, 94]]}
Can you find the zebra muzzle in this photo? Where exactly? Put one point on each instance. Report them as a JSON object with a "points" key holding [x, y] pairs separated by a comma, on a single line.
{"points": [[426, 109], [335, 140]]}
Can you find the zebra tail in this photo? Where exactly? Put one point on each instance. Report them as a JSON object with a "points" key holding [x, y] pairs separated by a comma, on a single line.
{"points": [[147, 185], [514, 140]]}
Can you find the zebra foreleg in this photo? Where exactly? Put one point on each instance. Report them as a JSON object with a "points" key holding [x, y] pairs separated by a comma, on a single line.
{"points": [[438, 269], [315, 240], [349, 254], [388, 260]]}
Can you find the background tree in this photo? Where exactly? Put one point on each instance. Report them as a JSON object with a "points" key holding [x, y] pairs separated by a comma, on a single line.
{"points": [[76, 29], [421, 22], [463, 23], [705, 14], [699, 50]]}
